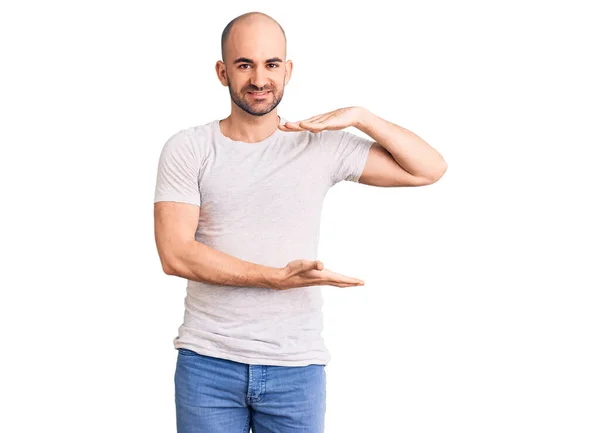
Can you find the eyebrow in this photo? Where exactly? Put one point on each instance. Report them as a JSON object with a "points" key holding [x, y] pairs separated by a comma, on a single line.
{"points": [[247, 60]]}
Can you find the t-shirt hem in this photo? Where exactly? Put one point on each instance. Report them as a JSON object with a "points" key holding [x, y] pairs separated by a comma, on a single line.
{"points": [[252, 361], [177, 199], [361, 161]]}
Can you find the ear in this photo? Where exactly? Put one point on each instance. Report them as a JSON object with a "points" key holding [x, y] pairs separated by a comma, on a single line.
{"points": [[221, 73], [289, 65]]}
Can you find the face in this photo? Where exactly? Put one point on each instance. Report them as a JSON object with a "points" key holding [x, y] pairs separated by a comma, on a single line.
{"points": [[255, 62]]}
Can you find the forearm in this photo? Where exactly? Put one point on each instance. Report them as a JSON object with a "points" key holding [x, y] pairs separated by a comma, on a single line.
{"points": [[199, 262], [409, 150]]}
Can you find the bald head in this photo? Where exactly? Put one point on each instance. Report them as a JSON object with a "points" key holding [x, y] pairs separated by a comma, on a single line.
{"points": [[251, 21]]}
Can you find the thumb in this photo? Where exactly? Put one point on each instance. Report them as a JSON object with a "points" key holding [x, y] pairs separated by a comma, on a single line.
{"points": [[297, 266], [308, 265]]}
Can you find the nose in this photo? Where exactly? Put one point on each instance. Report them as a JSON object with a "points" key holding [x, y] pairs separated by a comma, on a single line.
{"points": [[258, 78]]}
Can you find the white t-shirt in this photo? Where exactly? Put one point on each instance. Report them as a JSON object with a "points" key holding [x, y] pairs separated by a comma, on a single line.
{"points": [[260, 202]]}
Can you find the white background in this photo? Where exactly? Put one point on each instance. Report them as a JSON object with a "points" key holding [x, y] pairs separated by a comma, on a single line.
{"points": [[480, 308]]}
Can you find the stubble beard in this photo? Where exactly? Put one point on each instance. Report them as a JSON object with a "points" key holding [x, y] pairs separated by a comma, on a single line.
{"points": [[257, 108]]}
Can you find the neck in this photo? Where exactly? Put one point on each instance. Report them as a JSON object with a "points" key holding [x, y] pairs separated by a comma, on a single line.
{"points": [[241, 126]]}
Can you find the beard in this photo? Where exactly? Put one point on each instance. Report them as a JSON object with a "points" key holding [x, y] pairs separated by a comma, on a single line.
{"points": [[257, 107]]}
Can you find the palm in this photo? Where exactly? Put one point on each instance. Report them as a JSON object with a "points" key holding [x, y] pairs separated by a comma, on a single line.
{"points": [[334, 120], [326, 274]]}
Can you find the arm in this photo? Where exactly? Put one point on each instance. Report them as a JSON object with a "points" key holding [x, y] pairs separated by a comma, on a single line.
{"points": [[177, 203], [181, 255], [399, 157], [396, 157]]}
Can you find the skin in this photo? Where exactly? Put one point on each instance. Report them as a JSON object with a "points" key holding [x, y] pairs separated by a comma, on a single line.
{"points": [[398, 158], [259, 39]]}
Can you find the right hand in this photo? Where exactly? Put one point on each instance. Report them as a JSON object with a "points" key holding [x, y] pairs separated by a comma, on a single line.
{"points": [[302, 273]]}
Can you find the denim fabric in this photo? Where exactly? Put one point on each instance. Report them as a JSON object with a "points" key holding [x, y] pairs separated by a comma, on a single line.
{"points": [[214, 395]]}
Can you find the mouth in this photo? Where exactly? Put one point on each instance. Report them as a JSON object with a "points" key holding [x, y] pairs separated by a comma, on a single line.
{"points": [[259, 94]]}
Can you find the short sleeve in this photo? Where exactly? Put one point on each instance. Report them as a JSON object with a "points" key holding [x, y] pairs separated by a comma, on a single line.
{"points": [[178, 171], [347, 153]]}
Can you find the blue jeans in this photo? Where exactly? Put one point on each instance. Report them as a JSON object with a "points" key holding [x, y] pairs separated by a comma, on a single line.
{"points": [[214, 395]]}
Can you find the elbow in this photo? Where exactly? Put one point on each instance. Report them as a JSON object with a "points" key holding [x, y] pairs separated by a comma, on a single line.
{"points": [[174, 259], [167, 265], [439, 174], [168, 270]]}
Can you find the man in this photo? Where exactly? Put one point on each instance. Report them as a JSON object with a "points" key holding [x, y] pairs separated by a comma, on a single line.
{"points": [[237, 212]]}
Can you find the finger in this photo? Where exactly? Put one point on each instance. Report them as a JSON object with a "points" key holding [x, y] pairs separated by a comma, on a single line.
{"points": [[308, 265], [353, 280], [319, 124], [325, 122], [347, 283], [325, 117], [307, 124], [329, 274], [287, 129], [313, 126], [343, 278], [297, 266], [344, 285], [314, 118], [293, 126], [341, 284]]}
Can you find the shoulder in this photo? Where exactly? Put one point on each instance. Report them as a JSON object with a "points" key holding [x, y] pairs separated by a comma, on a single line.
{"points": [[331, 139], [200, 131], [198, 134], [193, 139]]}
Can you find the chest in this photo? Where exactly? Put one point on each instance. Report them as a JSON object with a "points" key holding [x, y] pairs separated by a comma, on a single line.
{"points": [[285, 181]]}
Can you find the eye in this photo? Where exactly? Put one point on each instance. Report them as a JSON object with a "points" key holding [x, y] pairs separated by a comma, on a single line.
{"points": [[270, 64]]}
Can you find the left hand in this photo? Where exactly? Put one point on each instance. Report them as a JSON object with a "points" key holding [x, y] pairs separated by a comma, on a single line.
{"points": [[334, 120]]}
